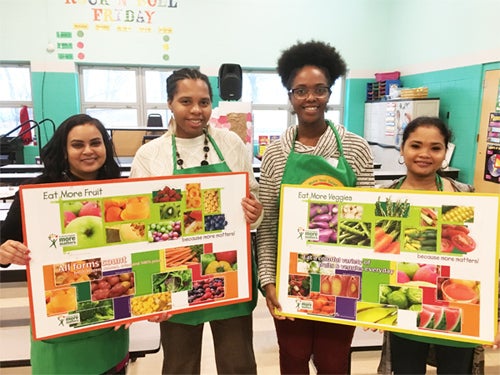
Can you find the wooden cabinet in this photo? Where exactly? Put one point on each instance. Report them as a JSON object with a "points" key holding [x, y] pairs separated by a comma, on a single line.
{"points": [[128, 140]]}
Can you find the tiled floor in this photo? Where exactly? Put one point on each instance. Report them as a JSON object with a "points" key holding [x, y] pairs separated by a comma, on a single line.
{"points": [[266, 350]]}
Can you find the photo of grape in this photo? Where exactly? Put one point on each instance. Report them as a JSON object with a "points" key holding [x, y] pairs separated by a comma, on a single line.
{"points": [[215, 222], [164, 231]]}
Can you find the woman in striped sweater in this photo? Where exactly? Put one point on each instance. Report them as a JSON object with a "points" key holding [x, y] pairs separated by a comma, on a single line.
{"points": [[314, 150]]}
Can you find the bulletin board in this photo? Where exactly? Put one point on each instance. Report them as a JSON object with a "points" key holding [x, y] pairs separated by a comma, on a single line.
{"points": [[116, 251], [395, 260]]}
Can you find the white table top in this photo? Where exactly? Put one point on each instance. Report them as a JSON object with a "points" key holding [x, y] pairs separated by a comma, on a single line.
{"points": [[8, 191]]}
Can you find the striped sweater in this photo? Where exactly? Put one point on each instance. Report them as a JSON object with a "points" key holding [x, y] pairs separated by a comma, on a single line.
{"points": [[358, 155]]}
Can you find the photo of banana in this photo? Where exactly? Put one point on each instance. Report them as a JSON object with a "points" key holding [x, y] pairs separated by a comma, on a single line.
{"points": [[376, 313]]}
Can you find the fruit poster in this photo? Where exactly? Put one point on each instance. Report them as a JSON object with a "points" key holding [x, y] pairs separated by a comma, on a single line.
{"points": [[117, 251], [396, 260]]}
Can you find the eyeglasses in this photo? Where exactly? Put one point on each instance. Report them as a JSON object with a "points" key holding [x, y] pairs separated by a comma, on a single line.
{"points": [[319, 92]]}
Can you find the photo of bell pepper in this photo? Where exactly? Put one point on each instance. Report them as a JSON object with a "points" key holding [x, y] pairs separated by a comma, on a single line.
{"points": [[216, 266]]}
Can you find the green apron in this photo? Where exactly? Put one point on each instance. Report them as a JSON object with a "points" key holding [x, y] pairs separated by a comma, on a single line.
{"points": [[90, 353], [432, 340], [314, 170], [222, 312]]}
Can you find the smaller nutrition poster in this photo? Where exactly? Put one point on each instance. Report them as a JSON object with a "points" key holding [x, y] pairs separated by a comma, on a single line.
{"points": [[422, 263]]}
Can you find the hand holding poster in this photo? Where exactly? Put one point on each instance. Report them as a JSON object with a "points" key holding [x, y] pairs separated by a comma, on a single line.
{"points": [[413, 262], [117, 251]]}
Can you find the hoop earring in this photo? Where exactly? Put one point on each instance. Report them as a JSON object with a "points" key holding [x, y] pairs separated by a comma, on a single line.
{"points": [[445, 164], [401, 160]]}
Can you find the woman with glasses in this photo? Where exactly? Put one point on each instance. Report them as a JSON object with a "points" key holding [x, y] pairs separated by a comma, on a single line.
{"points": [[315, 151]]}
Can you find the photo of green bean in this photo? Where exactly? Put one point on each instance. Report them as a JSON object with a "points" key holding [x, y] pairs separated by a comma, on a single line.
{"points": [[354, 232]]}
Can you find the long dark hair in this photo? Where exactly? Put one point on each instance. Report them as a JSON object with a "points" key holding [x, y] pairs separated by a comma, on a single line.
{"points": [[54, 153], [185, 73]]}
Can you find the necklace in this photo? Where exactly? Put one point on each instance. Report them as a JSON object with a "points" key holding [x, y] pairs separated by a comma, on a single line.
{"points": [[206, 149]]}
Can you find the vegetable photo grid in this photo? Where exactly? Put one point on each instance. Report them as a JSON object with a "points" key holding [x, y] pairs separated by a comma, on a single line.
{"points": [[396, 260], [126, 250]]}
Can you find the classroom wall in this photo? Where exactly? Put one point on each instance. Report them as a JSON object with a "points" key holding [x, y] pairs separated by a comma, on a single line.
{"points": [[460, 92], [372, 35], [428, 41]]}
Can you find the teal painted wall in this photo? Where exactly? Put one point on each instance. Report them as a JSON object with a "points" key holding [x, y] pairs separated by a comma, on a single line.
{"points": [[354, 107], [460, 94], [459, 91], [55, 97]]}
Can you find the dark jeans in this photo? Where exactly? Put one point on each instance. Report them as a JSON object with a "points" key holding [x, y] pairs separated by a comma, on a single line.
{"points": [[410, 357]]}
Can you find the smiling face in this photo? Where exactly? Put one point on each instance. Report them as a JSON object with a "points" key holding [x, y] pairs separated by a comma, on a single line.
{"points": [[311, 109], [191, 107], [424, 151], [86, 152]]}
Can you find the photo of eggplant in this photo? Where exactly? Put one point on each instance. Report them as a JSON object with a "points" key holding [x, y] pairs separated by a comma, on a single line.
{"points": [[324, 217]]}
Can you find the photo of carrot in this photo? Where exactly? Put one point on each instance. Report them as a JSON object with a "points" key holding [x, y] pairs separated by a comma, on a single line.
{"points": [[183, 255], [394, 248], [387, 233], [428, 217]]}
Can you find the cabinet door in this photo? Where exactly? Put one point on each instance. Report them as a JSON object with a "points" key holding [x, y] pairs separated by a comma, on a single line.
{"points": [[425, 108], [375, 117]]}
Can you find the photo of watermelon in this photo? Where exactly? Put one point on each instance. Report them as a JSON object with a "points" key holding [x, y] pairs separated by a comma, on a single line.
{"points": [[440, 318], [425, 319], [453, 319]]}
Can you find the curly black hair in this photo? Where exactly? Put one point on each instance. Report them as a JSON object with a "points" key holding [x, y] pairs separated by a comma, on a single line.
{"points": [[315, 53]]}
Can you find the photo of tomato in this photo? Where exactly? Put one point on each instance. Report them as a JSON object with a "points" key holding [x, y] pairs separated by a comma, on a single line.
{"points": [[456, 238], [463, 242], [446, 245]]}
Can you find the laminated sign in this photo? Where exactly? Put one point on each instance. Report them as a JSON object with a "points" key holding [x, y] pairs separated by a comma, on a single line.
{"points": [[111, 252], [395, 260]]}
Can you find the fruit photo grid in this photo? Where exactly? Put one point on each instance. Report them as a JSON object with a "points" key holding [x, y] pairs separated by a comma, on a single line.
{"points": [[394, 261], [169, 244]]}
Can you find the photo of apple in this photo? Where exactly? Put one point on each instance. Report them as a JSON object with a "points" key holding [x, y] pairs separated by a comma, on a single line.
{"points": [[418, 274], [71, 210], [68, 217], [89, 232], [73, 207], [90, 208]]}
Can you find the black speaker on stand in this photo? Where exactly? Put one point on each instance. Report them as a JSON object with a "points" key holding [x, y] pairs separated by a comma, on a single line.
{"points": [[230, 81]]}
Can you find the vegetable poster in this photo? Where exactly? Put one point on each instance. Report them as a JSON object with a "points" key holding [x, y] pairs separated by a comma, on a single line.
{"points": [[396, 260], [113, 252]]}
